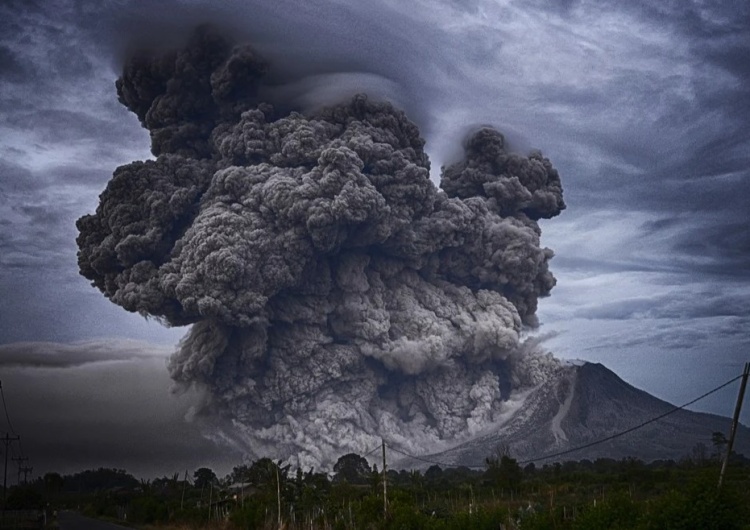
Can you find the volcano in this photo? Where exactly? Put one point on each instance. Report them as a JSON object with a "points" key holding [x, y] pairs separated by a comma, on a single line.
{"points": [[581, 403]]}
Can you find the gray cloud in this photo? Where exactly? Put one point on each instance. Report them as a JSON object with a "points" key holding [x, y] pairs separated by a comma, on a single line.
{"points": [[667, 136], [114, 411], [679, 305], [66, 355], [49, 124], [14, 178], [11, 68], [666, 122], [317, 261]]}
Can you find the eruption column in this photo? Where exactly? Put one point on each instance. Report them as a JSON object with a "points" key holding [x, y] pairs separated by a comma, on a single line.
{"points": [[335, 295]]}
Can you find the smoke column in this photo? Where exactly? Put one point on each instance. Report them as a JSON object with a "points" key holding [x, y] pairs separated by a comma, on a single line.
{"points": [[335, 295]]}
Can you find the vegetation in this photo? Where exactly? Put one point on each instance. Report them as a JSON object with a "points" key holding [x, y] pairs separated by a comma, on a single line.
{"points": [[625, 494]]}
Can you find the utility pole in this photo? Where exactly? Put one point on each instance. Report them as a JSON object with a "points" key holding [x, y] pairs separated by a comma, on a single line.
{"points": [[7, 439], [735, 421], [26, 471], [385, 484], [20, 460], [184, 485], [210, 498], [278, 496]]}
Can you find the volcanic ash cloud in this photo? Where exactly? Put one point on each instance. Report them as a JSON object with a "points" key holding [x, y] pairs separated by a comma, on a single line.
{"points": [[335, 294]]}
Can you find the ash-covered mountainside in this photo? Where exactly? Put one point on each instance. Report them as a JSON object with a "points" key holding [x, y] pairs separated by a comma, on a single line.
{"points": [[582, 403]]}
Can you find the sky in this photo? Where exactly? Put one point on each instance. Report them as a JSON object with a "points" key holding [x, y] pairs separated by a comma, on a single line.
{"points": [[643, 108]]}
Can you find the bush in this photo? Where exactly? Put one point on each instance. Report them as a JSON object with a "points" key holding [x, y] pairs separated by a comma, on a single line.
{"points": [[24, 498], [699, 506], [618, 512], [148, 510]]}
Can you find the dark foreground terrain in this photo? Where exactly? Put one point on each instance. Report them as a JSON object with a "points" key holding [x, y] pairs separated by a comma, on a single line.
{"points": [[604, 493], [73, 521]]}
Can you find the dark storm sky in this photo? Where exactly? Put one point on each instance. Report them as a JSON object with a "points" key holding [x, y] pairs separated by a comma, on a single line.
{"points": [[643, 107]]}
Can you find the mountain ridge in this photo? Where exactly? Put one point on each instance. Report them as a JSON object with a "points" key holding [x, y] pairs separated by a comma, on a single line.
{"points": [[581, 404]]}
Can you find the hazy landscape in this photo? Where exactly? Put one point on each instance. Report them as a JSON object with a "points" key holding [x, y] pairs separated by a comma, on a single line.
{"points": [[325, 265]]}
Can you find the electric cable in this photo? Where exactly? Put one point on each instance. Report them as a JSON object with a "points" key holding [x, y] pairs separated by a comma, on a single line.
{"points": [[584, 446]]}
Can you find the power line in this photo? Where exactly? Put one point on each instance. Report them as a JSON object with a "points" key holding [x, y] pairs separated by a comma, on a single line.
{"points": [[26, 470], [368, 453], [427, 460], [7, 439], [5, 407], [19, 460], [635, 428], [7, 417], [584, 446]]}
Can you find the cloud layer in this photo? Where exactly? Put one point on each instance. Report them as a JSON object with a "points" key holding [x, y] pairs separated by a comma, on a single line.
{"points": [[105, 404]]}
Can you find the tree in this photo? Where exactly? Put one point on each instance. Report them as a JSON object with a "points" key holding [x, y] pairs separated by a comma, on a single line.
{"points": [[240, 474], [24, 497], [204, 477], [503, 472], [720, 442], [99, 479], [434, 472], [353, 469], [262, 473], [699, 453], [53, 483]]}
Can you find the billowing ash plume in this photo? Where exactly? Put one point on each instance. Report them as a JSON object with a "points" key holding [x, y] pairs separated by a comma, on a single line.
{"points": [[335, 294]]}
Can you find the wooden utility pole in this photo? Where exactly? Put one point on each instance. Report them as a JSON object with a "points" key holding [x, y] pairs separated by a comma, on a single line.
{"points": [[7, 439], [20, 460], [735, 421], [385, 484], [210, 498], [26, 471], [278, 497], [184, 486]]}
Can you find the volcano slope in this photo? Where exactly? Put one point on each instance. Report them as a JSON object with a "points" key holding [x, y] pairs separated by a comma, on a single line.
{"points": [[582, 403]]}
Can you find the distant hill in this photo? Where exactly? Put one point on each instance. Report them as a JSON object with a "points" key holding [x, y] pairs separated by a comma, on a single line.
{"points": [[582, 403]]}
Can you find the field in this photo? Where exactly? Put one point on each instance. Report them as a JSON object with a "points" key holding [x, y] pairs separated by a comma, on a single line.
{"points": [[625, 494]]}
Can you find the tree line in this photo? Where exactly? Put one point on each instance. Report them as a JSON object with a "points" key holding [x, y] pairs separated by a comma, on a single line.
{"points": [[575, 495]]}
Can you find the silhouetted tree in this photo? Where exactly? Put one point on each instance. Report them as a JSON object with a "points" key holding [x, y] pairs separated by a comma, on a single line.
{"points": [[699, 453], [53, 483], [720, 443], [203, 477], [504, 473], [353, 469], [433, 473]]}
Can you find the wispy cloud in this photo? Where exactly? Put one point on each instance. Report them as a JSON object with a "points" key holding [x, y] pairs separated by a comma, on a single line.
{"points": [[77, 354]]}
